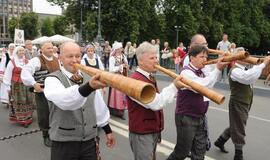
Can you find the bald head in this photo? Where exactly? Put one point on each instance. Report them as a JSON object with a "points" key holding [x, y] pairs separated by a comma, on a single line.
{"points": [[198, 39], [69, 46], [70, 54]]}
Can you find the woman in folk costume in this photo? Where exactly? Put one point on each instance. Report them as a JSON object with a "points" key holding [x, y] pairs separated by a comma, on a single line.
{"points": [[117, 64], [102, 112], [21, 99], [92, 60], [6, 57]]}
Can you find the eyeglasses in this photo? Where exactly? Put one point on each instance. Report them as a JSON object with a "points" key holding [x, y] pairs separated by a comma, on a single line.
{"points": [[203, 44]]}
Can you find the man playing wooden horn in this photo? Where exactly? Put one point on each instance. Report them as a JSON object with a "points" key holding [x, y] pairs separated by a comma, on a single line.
{"points": [[73, 118], [146, 120], [240, 79], [191, 107]]}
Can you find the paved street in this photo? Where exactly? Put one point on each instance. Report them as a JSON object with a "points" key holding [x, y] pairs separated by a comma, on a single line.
{"points": [[30, 147]]}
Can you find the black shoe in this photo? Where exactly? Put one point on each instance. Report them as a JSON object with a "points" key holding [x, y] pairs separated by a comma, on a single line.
{"points": [[238, 155], [220, 144], [47, 142]]}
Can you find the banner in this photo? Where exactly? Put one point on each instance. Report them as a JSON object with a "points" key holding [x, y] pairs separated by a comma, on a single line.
{"points": [[19, 37]]}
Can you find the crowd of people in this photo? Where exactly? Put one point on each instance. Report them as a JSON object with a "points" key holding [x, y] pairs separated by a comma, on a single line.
{"points": [[70, 104]]}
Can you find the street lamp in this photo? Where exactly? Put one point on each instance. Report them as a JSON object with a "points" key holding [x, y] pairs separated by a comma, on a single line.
{"points": [[177, 28], [99, 38], [81, 5]]}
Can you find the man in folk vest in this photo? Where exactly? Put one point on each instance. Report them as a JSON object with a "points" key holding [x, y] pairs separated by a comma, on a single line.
{"points": [[146, 120], [33, 74], [73, 123], [191, 107], [240, 79]]}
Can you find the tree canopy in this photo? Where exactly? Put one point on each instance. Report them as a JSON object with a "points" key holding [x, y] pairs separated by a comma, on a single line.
{"points": [[247, 22], [27, 22]]}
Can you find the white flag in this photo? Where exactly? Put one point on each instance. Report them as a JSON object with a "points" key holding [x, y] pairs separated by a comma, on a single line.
{"points": [[19, 37]]}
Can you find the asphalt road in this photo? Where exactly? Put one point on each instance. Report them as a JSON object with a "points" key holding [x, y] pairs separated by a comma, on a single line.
{"points": [[30, 147]]}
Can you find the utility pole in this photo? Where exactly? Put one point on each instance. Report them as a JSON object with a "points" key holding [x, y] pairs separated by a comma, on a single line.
{"points": [[177, 28]]}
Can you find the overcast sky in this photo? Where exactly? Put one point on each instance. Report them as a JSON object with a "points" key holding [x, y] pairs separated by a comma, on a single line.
{"points": [[42, 6]]}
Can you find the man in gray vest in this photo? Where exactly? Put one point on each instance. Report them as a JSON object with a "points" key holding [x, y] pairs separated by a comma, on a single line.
{"points": [[73, 126], [29, 52], [240, 79]]}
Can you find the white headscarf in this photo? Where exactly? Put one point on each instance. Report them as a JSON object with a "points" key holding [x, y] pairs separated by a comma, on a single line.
{"points": [[20, 62], [116, 45]]}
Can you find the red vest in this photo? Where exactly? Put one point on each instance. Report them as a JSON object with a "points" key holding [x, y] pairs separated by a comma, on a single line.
{"points": [[142, 120], [16, 72]]}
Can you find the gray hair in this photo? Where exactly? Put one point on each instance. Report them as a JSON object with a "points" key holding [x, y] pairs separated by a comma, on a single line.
{"points": [[143, 48]]}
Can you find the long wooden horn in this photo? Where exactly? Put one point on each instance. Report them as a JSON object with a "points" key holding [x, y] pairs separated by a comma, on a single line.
{"points": [[141, 91], [231, 57], [249, 59], [212, 95]]}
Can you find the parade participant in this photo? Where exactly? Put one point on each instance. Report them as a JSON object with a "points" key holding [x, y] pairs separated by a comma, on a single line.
{"points": [[102, 111], [72, 113], [191, 107], [224, 45], [6, 57], [129, 53], [33, 74], [106, 54], [21, 100], [91, 59], [29, 51], [146, 120], [240, 79], [117, 64], [55, 51]]}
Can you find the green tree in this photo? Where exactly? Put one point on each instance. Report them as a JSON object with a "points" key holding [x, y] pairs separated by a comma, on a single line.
{"points": [[245, 21], [90, 27], [47, 27], [60, 25], [29, 23], [12, 24]]}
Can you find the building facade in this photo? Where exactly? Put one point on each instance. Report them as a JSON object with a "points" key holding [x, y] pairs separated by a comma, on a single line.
{"points": [[8, 9]]}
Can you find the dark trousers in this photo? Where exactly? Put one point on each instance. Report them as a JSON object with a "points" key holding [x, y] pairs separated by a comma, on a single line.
{"points": [[42, 113], [191, 136], [74, 150], [238, 115], [106, 62], [132, 61]]}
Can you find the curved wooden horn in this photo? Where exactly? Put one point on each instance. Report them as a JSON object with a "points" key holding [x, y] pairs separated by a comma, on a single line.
{"points": [[231, 57], [249, 59], [139, 90], [212, 95]]}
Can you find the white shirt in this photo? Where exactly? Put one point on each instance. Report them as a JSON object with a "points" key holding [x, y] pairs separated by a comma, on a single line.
{"points": [[95, 56], [3, 63], [208, 81], [161, 99], [223, 45], [28, 70], [247, 77], [113, 68], [8, 73], [64, 98], [70, 98], [186, 61]]}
